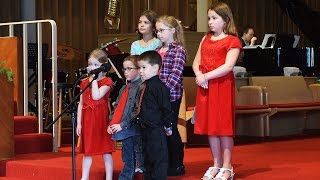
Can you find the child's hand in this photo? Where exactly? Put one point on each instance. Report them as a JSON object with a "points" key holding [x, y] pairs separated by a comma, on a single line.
{"points": [[201, 81], [204, 85], [115, 128], [78, 129], [168, 131], [109, 130]]}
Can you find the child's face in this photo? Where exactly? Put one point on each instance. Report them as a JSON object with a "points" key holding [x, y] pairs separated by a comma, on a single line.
{"points": [[164, 33], [130, 71], [146, 70], [215, 22], [144, 25], [93, 63]]}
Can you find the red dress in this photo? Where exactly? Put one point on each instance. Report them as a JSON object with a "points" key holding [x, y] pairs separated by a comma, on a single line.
{"points": [[215, 112], [95, 140]]}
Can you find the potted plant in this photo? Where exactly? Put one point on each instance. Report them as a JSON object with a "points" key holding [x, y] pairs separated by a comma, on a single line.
{"points": [[6, 71]]}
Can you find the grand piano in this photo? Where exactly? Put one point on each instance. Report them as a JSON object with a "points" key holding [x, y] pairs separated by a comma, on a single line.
{"points": [[271, 61]]}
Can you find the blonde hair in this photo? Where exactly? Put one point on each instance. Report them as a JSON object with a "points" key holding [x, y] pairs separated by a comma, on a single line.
{"points": [[100, 55], [172, 22], [225, 12]]}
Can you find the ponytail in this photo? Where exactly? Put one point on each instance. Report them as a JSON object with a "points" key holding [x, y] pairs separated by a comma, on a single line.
{"points": [[180, 34]]}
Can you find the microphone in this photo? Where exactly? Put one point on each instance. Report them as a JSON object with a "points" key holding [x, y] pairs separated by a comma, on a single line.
{"points": [[105, 67]]}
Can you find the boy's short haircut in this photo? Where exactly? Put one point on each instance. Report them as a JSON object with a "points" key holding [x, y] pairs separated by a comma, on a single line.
{"points": [[133, 59], [153, 57]]}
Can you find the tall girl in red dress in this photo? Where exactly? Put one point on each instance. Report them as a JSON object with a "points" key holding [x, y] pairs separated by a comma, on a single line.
{"points": [[92, 117], [215, 101]]}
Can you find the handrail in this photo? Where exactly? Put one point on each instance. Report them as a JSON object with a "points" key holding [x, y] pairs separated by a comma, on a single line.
{"points": [[40, 84]]}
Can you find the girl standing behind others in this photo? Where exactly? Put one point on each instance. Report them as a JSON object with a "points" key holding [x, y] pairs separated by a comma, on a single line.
{"points": [[147, 30], [215, 100], [173, 54], [148, 41], [92, 117]]}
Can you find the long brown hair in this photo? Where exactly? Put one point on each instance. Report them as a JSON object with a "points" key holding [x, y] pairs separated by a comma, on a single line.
{"points": [[225, 12]]}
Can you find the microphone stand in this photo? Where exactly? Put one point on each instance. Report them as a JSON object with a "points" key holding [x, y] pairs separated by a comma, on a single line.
{"points": [[73, 109]]}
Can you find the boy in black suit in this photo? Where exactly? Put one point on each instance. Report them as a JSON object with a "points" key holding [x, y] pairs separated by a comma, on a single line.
{"points": [[154, 117]]}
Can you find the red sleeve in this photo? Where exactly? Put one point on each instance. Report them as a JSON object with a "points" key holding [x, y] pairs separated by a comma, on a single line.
{"points": [[107, 82], [234, 43]]}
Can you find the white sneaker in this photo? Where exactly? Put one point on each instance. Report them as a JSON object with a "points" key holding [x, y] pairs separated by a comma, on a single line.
{"points": [[138, 170]]}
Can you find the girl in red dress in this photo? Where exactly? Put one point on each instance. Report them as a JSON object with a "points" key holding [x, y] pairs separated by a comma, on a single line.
{"points": [[215, 101], [92, 117]]}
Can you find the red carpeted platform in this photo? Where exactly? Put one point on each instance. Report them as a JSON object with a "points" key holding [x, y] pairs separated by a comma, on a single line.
{"points": [[285, 160], [26, 136]]}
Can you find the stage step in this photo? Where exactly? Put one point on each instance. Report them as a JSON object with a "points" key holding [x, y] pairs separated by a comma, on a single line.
{"points": [[25, 124], [33, 143], [27, 139]]}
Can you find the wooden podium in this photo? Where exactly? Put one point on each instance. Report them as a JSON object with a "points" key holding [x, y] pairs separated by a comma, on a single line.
{"points": [[6, 119], [10, 52]]}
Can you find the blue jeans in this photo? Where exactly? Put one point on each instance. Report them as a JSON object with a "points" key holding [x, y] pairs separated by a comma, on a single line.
{"points": [[128, 159], [138, 152]]}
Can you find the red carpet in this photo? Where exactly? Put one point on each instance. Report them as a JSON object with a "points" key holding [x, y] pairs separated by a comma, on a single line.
{"points": [[291, 159], [26, 136]]}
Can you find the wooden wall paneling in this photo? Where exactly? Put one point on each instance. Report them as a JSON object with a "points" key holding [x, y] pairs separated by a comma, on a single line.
{"points": [[82, 26], [44, 8], [101, 13], [173, 10], [161, 7], [74, 38], [87, 26], [126, 11], [62, 16], [130, 13], [260, 21], [183, 14], [90, 36], [95, 19], [70, 7], [74, 20], [10, 12], [82, 20]]}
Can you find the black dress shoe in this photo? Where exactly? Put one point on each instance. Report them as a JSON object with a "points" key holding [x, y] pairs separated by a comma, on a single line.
{"points": [[179, 171]]}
